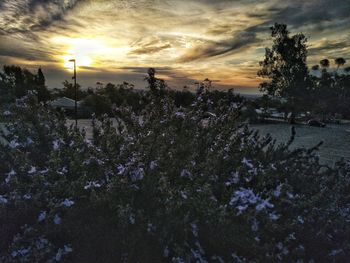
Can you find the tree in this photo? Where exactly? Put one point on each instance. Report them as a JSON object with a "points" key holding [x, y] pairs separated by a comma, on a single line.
{"points": [[324, 64], [324, 92], [151, 78], [157, 86], [40, 77], [20, 81], [342, 85], [42, 92], [330, 93], [69, 91], [339, 62], [15, 79], [285, 67], [98, 104]]}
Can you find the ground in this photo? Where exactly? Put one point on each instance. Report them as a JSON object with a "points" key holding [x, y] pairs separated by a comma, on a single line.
{"points": [[336, 138]]}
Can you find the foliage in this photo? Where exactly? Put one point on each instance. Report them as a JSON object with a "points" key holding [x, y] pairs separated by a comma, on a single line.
{"points": [[15, 82], [97, 104], [105, 98], [285, 66], [249, 114], [331, 89], [165, 185], [69, 91]]}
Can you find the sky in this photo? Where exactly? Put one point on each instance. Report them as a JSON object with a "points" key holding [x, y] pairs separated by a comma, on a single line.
{"points": [[185, 40]]}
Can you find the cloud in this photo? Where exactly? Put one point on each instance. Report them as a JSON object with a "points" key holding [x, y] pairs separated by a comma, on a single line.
{"points": [[23, 50], [29, 16], [149, 46], [306, 12], [240, 40], [314, 13], [144, 70], [185, 40], [220, 29], [329, 45]]}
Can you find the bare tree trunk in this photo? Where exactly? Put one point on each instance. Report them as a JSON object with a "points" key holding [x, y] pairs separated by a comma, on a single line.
{"points": [[292, 109], [292, 118]]}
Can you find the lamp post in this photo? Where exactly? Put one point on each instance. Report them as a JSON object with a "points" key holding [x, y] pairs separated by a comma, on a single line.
{"points": [[75, 89]]}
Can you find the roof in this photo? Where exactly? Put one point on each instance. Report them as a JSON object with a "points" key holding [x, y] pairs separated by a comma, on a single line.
{"points": [[64, 102]]}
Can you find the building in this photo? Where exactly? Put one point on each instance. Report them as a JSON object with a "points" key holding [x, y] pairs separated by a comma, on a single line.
{"points": [[65, 104]]}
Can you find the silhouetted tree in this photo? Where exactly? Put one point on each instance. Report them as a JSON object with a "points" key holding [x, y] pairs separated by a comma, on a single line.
{"points": [[207, 84], [15, 78], [151, 79], [40, 77], [98, 104], [69, 91], [342, 88], [324, 64], [182, 98], [285, 67], [331, 90], [20, 81], [157, 86], [42, 92], [339, 62], [6, 91]]}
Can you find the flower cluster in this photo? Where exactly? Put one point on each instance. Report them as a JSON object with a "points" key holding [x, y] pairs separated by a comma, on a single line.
{"points": [[165, 184]]}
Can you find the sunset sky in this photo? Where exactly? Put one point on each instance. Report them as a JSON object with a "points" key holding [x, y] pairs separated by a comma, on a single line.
{"points": [[185, 40]]}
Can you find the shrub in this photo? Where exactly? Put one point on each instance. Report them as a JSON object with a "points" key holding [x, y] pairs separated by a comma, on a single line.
{"points": [[166, 185]]}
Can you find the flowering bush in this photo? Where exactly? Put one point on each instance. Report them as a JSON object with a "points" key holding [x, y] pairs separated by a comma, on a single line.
{"points": [[166, 185]]}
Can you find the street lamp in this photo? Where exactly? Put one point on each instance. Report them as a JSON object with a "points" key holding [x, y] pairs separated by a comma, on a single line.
{"points": [[75, 88]]}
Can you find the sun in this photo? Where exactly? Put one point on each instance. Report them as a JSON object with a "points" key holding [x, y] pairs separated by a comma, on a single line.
{"points": [[82, 60], [84, 51]]}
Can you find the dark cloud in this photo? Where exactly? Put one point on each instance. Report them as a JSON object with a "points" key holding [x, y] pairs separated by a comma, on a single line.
{"points": [[23, 50], [220, 29], [241, 40], [315, 13], [330, 45], [143, 70], [149, 46], [30, 16]]}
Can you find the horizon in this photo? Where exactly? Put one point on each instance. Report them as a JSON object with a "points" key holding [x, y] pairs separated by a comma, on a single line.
{"points": [[186, 41]]}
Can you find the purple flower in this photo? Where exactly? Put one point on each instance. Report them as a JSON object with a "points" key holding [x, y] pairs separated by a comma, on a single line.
{"points": [[3, 200], [120, 169], [67, 203], [14, 144], [137, 174], [57, 219], [42, 216]]}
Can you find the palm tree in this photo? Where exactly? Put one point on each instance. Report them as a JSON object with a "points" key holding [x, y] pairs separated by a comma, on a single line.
{"points": [[339, 62], [324, 63]]}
